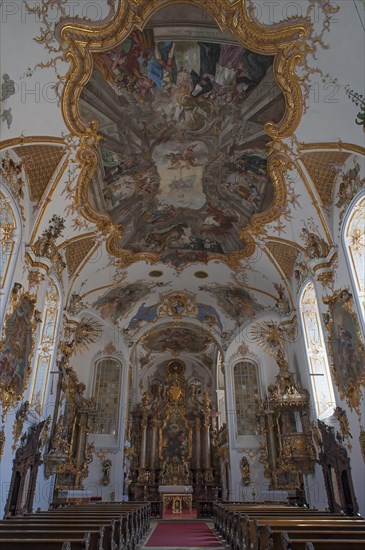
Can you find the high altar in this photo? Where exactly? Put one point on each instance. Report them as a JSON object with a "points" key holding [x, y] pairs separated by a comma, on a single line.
{"points": [[172, 456]]}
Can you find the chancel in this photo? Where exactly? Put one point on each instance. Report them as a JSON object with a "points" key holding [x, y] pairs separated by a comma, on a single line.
{"points": [[182, 276]]}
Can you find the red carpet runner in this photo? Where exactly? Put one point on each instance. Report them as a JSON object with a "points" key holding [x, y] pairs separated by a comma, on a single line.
{"points": [[185, 533]]}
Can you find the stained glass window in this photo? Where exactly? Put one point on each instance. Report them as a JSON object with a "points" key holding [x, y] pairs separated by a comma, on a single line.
{"points": [[246, 394], [319, 370]]}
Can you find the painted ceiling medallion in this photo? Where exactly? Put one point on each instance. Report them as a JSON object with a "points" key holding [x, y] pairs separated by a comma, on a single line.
{"points": [[183, 173]]}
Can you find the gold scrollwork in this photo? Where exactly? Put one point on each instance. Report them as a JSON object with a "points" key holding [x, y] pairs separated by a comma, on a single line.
{"points": [[177, 306], [2, 441]]}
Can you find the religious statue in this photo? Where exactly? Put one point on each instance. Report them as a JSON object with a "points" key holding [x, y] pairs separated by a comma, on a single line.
{"points": [[315, 246], [107, 464], [342, 419], [146, 399], [282, 303], [245, 471], [59, 443]]}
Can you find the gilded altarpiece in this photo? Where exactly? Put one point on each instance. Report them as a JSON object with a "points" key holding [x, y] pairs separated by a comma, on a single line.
{"points": [[172, 439]]}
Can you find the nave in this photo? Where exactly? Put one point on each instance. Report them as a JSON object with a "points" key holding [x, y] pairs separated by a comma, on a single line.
{"points": [[182, 284]]}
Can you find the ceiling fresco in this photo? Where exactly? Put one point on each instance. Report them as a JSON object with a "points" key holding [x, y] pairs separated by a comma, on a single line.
{"points": [[184, 166], [177, 340], [237, 302], [115, 303]]}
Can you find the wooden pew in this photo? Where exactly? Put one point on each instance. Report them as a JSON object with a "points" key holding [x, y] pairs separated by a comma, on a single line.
{"points": [[44, 544], [114, 526], [110, 530], [321, 544], [96, 539], [262, 529], [247, 526]]}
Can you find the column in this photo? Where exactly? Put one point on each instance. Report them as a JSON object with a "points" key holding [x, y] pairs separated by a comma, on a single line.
{"points": [[142, 451], [272, 440], [206, 442], [153, 444], [197, 443]]}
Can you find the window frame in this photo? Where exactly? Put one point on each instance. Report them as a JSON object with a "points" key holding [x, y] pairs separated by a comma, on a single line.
{"points": [[255, 364], [96, 363], [345, 230], [310, 368]]}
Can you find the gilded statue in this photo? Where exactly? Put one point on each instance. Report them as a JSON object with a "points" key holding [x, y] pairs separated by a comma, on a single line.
{"points": [[282, 303], [341, 416], [146, 399], [59, 443], [245, 471], [315, 246]]}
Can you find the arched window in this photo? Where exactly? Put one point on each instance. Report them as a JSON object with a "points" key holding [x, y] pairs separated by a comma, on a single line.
{"points": [[10, 237], [319, 370], [246, 395], [354, 237], [108, 374], [46, 346]]}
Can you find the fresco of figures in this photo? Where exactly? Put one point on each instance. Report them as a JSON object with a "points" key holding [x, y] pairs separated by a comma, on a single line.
{"points": [[182, 180], [237, 302], [117, 302], [16, 349], [347, 350]]}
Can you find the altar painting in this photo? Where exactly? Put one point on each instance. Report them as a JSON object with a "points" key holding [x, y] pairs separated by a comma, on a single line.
{"points": [[347, 350], [17, 347], [175, 438], [182, 182]]}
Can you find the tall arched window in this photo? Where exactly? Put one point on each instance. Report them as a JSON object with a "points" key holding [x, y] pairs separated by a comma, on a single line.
{"points": [[46, 346], [319, 370], [246, 395], [10, 237], [354, 237], [108, 374]]}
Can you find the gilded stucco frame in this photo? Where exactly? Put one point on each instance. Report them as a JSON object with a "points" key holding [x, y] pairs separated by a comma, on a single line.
{"points": [[286, 41]]}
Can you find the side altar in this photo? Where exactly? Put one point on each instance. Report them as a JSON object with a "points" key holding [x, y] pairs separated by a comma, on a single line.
{"points": [[172, 443]]}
